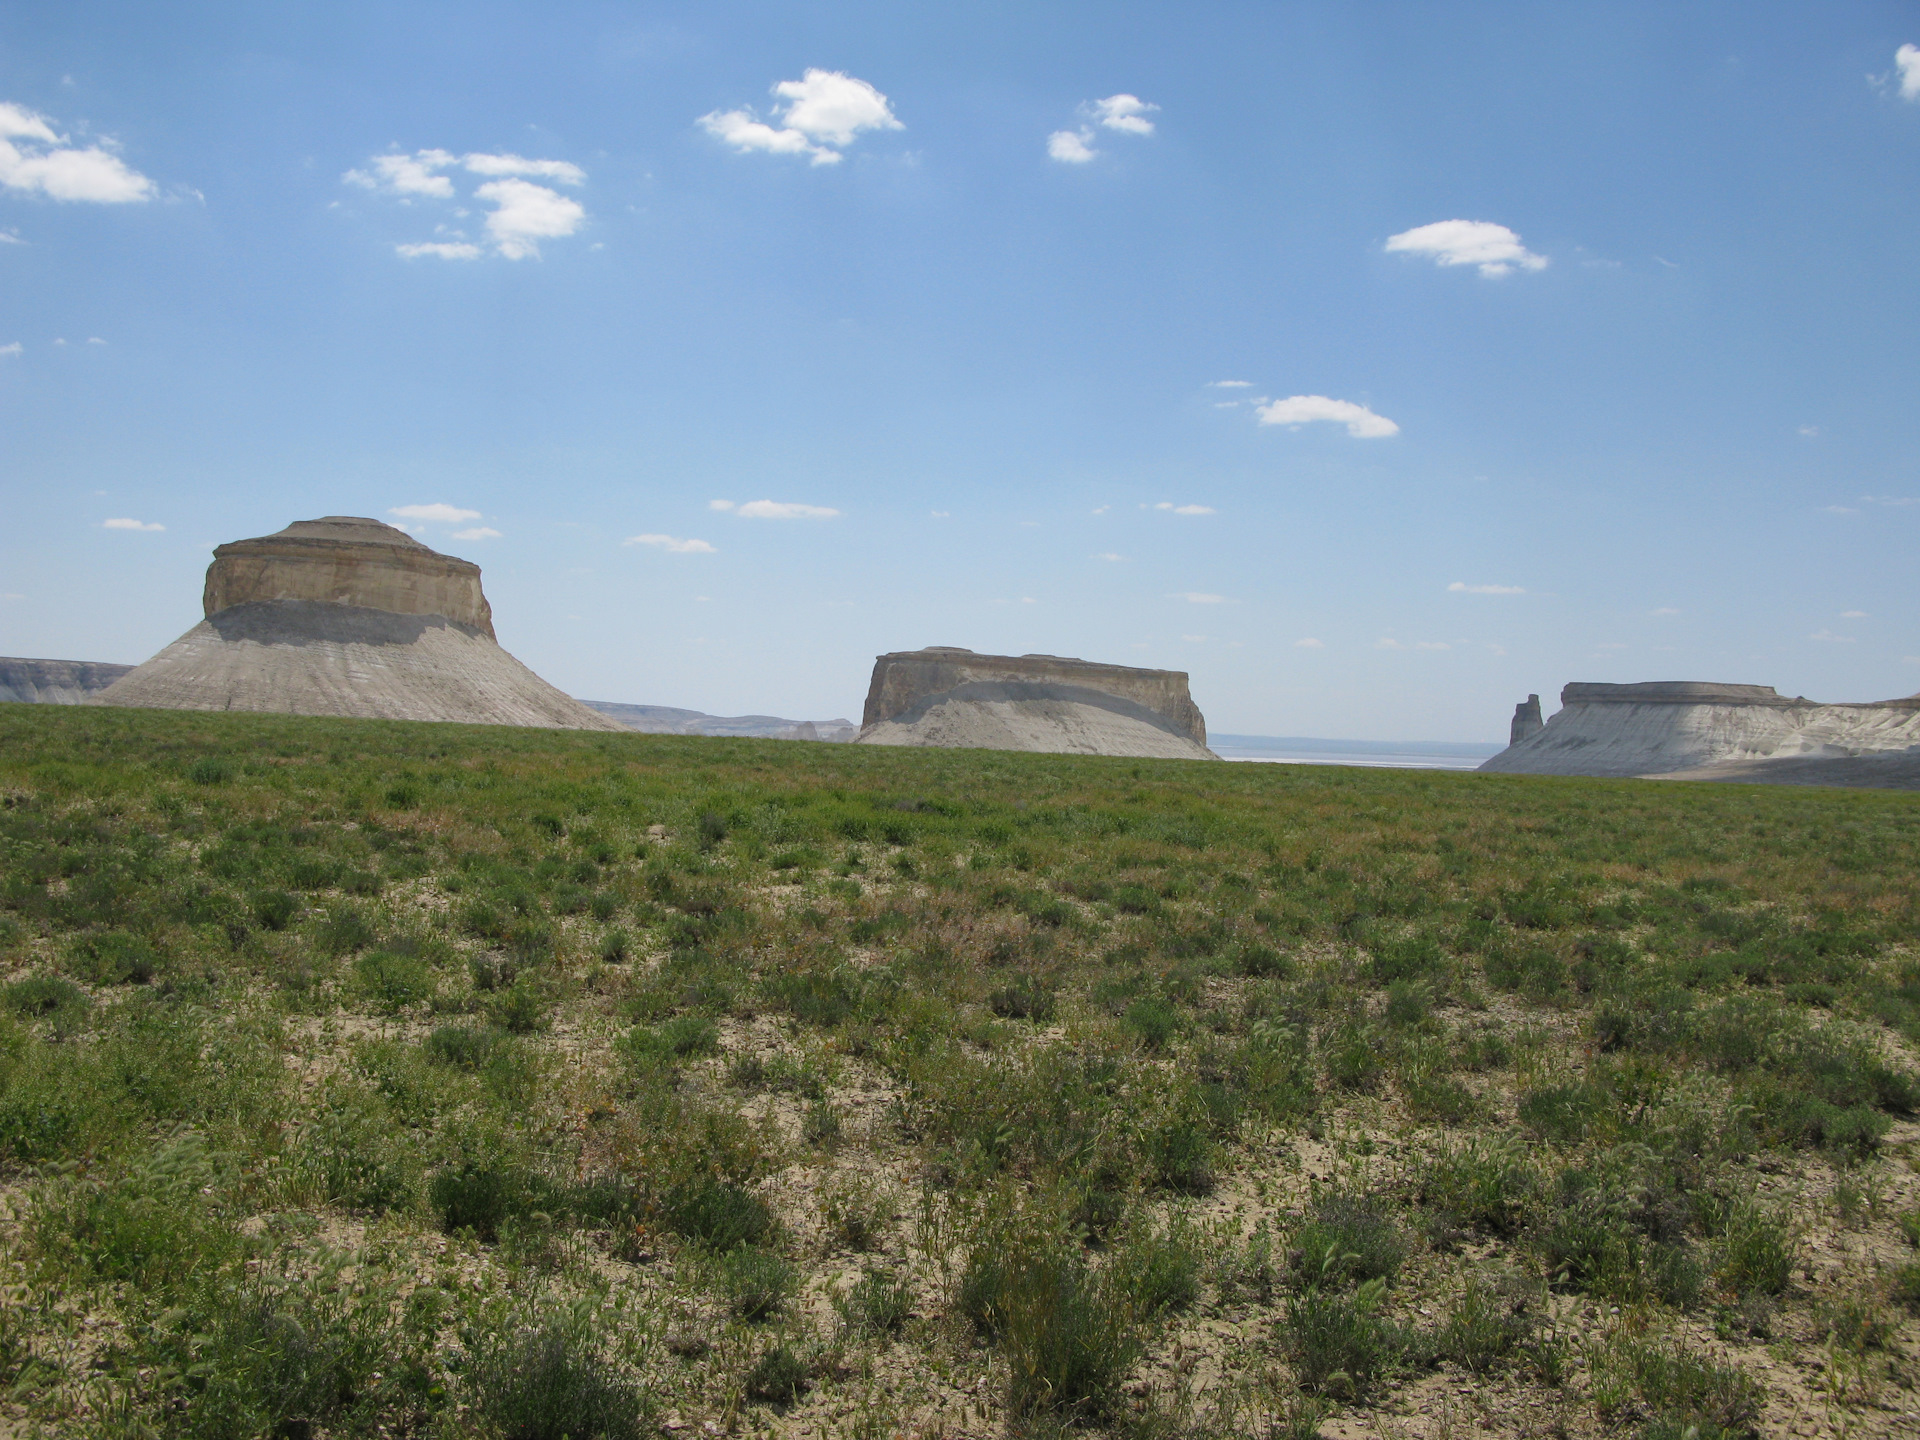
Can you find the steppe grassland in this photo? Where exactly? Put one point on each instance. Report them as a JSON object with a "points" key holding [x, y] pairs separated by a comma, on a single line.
{"points": [[363, 1078]]}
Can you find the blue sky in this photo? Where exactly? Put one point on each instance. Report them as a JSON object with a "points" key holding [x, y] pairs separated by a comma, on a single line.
{"points": [[971, 279]]}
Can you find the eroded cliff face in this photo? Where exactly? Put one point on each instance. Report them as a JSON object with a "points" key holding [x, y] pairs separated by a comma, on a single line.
{"points": [[1706, 730], [347, 616], [347, 560], [952, 697], [55, 682]]}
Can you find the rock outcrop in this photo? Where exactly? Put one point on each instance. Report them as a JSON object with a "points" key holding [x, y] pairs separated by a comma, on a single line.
{"points": [[1526, 721], [55, 682], [1700, 730], [951, 697], [347, 616]]}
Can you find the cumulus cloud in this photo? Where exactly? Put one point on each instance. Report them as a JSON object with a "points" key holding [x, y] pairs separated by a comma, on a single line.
{"points": [[435, 514], [1494, 248], [825, 111], [1072, 147], [672, 544], [1126, 113], [1361, 422], [521, 213], [1198, 597], [440, 250], [525, 214], [36, 158], [478, 532], [124, 524], [784, 510], [1907, 60], [407, 175], [1460, 587]]}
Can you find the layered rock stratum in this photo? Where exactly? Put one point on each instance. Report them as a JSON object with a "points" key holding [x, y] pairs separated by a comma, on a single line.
{"points": [[347, 616], [54, 682], [671, 720], [1689, 729], [947, 696]]}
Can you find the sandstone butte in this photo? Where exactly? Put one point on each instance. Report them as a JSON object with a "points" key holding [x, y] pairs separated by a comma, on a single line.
{"points": [[1698, 730], [952, 697], [347, 616]]}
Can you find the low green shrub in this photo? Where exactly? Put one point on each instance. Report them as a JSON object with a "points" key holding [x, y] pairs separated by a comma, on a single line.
{"points": [[1338, 1341], [547, 1379], [718, 1213], [778, 1377], [1347, 1239], [756, 1282], [876, 1303]]}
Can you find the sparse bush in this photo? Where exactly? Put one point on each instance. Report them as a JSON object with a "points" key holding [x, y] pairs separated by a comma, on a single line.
{"points": [[1346, 1241], [756, 1282], [112, 958], [777, 1377], [392, 982], [1338, 1342], [718, 1213], [1756, 1251], [547, 1380], [875, 1304]]}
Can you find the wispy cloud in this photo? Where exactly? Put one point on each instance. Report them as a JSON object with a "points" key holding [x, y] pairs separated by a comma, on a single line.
{"points": [[824, 111], [15, 348], [439, 250], [1460, 587], [124, 524], [435, 514], [1229, 384], [1110, 556], [477, 532], [1809, 431], [1198, 597], [1893, 500], [672, 544], [775, 510], [1387, 642], [1827, 637], [1308, 643], [1361, 422], [1494, 248], [1169, 506], [37, 159], [1853, 614]]}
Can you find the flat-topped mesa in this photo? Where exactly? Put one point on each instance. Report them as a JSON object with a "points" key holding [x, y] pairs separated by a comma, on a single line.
{"points": [[347, 560], [1707, 730], [347, 616], [55, 682], [947, 696]]}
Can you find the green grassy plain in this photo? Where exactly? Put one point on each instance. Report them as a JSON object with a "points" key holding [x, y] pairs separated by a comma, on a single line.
{"points": [[362, 1078]]}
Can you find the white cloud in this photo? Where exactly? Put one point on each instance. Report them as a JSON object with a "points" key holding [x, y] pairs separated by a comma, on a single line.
{"points": [[526, 214], [1839, 509], [1907, 59], [1230, 384], [1073, 147], [407, 175], [1101, 509], [940, 514], [1853, 614], [1896, 500], [1309, 643], [95, 340], [1809, 431], [1125, 113], [784, 510], [1194, 639], [439, 249], [1361, 422], [1199, 597], [1494, 248], [1387, 642], [522, 215], [1828, 637], [1462, 588], [1168, 505], [130, 525], [719, 504], [673, 545], [1110, 556], [478, 532], [10, 237], [14, 349], [825, 111], [44, 163], [564, 171], [435, 514]]}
